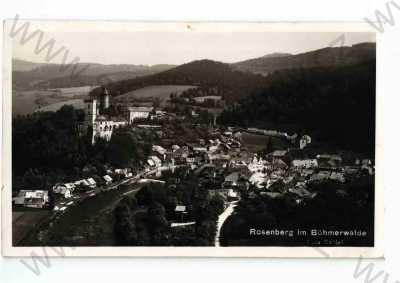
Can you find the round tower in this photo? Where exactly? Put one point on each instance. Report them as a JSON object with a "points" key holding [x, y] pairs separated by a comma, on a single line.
{"points": [[105, 98]]}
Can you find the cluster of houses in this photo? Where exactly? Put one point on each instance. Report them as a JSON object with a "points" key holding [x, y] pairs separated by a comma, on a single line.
{"points": [[40, 198], [233, 170]]}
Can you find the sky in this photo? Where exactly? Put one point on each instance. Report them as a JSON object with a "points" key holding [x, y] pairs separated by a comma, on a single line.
{"points": [[149, 48]]}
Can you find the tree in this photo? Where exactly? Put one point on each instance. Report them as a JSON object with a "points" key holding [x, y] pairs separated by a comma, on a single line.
{"points": [[121, 151]]}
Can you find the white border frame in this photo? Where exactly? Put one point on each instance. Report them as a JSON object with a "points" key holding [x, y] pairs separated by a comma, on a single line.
{"points": [[245, 252]]}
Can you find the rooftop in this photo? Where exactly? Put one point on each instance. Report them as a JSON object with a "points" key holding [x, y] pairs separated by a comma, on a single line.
{"points": [[140, 109]]}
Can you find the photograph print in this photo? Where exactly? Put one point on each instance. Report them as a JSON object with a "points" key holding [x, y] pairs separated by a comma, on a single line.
{"points": [[192, 138]]}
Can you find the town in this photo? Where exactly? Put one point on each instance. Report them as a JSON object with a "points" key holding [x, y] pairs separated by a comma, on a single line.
{"points": [[183, 145]]}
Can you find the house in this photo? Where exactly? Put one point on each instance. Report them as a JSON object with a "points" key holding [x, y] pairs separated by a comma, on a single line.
{"points": [[256, 165], [175, 147], [226, 194], [124, 172], [329, 160], [64, 189], [92, 183], [276, 155], [180, 153], [199, 149], [305, 163], [279, 164], [159, 149], [138, 113], [180, 208], [107, 179], [304, 141], [337, 176], [191, 159], [82, 183], [320, 176], [32, 198], [232, 179], [154, 161], [259, 179]]}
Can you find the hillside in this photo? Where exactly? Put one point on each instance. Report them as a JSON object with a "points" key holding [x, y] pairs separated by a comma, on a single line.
{"points": [[330, 56], [230, 84], [22, 65], [37, 75], [333, 104]]}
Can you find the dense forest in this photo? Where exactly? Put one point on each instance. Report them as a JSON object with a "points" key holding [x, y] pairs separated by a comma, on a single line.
{"points": [[230, 84], [144, 220], [47, 149], [336, 105], [325, 57]]}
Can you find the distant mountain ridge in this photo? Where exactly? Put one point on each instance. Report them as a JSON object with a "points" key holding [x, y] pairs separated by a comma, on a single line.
{"points": [[238, 80], [22, 65], [325, 57], [42, 75]]}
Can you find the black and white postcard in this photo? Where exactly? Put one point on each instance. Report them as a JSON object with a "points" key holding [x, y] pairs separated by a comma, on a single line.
{"points": [[191, 139]]}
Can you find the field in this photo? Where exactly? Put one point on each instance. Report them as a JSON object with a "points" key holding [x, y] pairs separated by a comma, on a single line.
{"points": [[27, 102], [256, 142], [77, 103], [24, 221], [161, 92]]}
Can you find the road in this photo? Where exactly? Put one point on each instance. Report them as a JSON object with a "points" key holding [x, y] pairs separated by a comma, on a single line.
{"points": [[222, 218]]}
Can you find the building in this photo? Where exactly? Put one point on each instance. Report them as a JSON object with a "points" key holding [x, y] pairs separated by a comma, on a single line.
{"points": [[32, 198], [305, 163], [329, 160], [137, 113], [304, 141], [154, 161], [108, 180], [92, 183], [64, 189], [99, 126]]}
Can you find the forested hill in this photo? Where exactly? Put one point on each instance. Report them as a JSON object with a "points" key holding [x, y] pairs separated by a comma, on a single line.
{"points": [[238, 80], [330, 56], [335, 104], [230, 84]]}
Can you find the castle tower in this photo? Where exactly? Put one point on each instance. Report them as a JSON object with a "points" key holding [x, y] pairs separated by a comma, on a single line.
{"points": [[104, 99], [91, 110], [91, 113]]}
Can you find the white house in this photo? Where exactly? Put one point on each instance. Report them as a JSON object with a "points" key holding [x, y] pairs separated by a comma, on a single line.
{"points": [[92, 183], [107, 179], [135, 113], [305, 163], [32, 198], [304, 141], [159, 149], [154, 161], [64, 189]]}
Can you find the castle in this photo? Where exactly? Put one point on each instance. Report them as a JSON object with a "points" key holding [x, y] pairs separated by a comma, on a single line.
{"points": [[102, 125]]}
